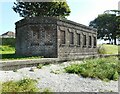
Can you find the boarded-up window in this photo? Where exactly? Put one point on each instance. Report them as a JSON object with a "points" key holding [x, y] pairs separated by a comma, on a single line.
{"points": [[90, 41], [71, 38], [48, 37], [94, 42], [62, 37], [78, 39], [84, 40], [35, 35]]}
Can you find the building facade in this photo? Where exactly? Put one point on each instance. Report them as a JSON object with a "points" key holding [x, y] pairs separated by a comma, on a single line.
{"points": [[54, 38]]}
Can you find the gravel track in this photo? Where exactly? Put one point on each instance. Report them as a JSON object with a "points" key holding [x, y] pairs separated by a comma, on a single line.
{"points": [[53, 77]]}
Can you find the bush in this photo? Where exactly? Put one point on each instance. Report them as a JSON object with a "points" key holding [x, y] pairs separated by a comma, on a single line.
{"points": [[102, 68], [8, 41]]}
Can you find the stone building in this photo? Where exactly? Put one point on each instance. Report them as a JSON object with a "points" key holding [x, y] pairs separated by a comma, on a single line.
{"points": [[55, 38]]}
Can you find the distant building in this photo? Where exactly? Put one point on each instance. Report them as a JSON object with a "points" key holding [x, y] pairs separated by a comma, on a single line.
{"points": [[8, 34]]}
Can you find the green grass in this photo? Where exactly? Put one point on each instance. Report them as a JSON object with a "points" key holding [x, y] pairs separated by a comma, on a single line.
{"points": [[7, 49], [26, 85], [8, 53], [102, 68], [108, 49]]}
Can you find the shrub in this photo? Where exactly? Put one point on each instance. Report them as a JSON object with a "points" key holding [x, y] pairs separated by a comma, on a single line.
{"points": [[25, 85], [103, 68]]}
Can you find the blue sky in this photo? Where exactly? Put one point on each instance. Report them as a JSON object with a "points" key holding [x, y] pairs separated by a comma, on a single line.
{"points": [[82, 11]]}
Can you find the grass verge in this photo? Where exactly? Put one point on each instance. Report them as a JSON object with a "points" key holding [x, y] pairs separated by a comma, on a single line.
{"points": [[102, 68], [108, 49]]}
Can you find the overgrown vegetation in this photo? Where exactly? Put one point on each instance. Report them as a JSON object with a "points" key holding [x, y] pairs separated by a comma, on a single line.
{"points": [[26, 85], [108, 49], [102, 68]]}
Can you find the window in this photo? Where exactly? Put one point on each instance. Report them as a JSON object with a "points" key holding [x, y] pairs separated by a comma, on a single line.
{"points": [[62, 37], [78, 39], [84, 40], [36, 34], [90, 41], [71, 38], [48, 37], [35, 40], [94, 42]]}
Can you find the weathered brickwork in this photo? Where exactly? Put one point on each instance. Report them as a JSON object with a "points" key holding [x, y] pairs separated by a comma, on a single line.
{"points": [[53, 37]]}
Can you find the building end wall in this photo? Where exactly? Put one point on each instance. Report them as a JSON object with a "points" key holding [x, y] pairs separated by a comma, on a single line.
{"points": [[36, 37]]}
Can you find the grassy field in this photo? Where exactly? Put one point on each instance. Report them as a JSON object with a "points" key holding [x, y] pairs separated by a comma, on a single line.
{"points": [[102, 68], [108, 49], [8, 53], [7, 49]]}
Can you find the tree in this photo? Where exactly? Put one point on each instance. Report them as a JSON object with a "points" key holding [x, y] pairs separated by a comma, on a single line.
{"points": [[107, 26], [32, 9]]}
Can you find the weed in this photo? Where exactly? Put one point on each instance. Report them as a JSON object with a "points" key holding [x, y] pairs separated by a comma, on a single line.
{"points": [[25, 85], [102, 68], [40, 66]]}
